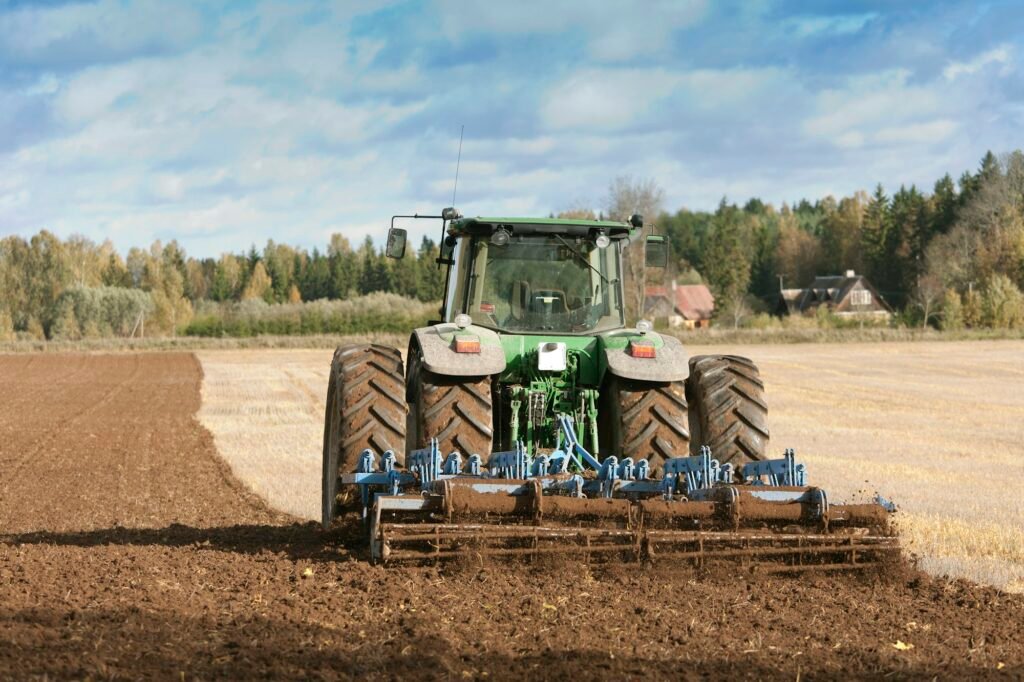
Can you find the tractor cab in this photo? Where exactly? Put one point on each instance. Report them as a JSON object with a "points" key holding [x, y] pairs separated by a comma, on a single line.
{"points": [[535, 275], [522, 281]]}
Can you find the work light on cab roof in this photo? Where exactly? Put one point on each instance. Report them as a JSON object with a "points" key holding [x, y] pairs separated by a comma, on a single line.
{"points": [[529, 418]]}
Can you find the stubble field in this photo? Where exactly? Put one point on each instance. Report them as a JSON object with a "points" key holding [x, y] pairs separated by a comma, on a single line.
{"points": [[129, 549], [936, 427]]}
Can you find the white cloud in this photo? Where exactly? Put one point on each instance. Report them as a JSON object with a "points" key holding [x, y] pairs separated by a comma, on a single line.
{"points": [[612, 99], [288, 121], [104, 28], [606, 99], [209, 144], [1001, 55], [842, 24], [613, 31], [47, 84], [884, 108], [14, 199], [927, 132]]}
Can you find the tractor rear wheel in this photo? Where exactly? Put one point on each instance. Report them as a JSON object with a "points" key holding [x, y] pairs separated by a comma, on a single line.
{"points": [[364, 409], [456, 410], [728, 410], [647, 420]]}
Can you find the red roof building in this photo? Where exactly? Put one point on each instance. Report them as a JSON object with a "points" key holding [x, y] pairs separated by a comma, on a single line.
{"points": [[684, 305]]}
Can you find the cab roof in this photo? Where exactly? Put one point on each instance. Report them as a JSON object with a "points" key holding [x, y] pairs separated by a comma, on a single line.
{"points": [[571, 226]]}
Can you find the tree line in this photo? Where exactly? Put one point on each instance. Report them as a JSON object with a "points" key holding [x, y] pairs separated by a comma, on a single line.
{"points": [[75, 288], [953, 257]]}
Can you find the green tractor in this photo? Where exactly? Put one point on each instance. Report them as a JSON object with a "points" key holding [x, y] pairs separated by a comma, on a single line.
{"points": [[532, 386]]}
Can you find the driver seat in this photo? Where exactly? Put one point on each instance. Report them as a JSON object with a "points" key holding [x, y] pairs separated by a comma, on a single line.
{"points": [[520, 299]]}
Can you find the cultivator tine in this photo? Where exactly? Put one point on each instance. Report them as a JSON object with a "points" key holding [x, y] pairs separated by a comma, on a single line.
{"points": [[774, 552], [697, 514]]}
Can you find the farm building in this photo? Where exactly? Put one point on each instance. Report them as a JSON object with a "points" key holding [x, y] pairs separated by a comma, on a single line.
{"points": [[683, 305], [847, 295]]}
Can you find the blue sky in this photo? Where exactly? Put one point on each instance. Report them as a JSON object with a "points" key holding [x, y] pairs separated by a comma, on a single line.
{"points": [[222, 124]]}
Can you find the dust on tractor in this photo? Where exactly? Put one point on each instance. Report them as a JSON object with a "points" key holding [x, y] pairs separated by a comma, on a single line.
{"points": [[532, 421]]}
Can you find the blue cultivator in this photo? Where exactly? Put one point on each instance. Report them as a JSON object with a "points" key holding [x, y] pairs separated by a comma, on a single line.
{"points": [[567, 502]]}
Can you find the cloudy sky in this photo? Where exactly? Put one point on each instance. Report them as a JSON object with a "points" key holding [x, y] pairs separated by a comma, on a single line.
{"points": [[222, 124]]}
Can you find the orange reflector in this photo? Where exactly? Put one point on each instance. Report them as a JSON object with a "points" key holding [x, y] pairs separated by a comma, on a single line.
{"points": [[467, 344], [641, 349]]}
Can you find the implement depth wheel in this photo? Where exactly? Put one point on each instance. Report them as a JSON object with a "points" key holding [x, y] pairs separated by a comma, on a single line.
{"points": [[646, 420], [364, 409], [728, 411], [456, 410]]}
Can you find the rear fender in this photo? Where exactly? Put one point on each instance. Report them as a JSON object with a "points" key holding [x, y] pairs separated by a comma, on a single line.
{"points": [[669, 363], [436, 345]]}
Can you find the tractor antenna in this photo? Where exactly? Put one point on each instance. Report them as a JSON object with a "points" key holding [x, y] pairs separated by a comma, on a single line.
{"points": [[458, 161]]}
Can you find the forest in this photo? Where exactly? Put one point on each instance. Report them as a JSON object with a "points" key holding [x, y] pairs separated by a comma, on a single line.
{"points": [[949, 258]]}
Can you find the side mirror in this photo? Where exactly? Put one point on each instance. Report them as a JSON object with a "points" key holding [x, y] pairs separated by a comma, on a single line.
{"points": [[397, 238], [656, 252]]}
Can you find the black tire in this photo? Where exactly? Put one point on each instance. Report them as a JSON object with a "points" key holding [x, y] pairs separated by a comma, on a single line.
{"points": [[457, 411], [364, 409], [646, 420], [728, 411]]}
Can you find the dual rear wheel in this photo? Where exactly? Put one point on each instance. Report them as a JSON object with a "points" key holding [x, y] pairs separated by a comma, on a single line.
{"points": [[721, 405]]}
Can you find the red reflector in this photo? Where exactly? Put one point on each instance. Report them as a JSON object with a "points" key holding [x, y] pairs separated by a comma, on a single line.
{"points": [[467, 344], [641, 349], [486, 307]]}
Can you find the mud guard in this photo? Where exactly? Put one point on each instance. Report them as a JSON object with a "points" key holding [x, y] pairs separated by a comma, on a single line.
{"points": [[435, 344], [669, 364]]}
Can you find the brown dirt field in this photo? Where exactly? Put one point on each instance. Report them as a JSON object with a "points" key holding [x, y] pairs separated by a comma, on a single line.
{"points": [[127, 550]]}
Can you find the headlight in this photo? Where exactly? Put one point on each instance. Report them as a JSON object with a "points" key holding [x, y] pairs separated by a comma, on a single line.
{"points": [[500, 237]]}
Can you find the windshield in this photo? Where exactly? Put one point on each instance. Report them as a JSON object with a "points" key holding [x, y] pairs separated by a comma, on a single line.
{"points": [[541, 284]]}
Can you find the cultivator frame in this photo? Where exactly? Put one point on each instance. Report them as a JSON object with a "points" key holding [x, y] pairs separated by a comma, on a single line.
{"points": [[569, 503]]}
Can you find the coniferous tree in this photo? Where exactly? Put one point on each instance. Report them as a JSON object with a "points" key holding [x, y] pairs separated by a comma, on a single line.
{"points": [[946, 201], [429, 276], [727, 263], [316, 281], [875, 236]]}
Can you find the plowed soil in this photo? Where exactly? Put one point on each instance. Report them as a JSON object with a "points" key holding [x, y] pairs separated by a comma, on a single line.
{"points": [[127, 550]]}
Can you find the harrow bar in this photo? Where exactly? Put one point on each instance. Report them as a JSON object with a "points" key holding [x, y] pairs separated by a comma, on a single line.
{"points": [[424, 542]]}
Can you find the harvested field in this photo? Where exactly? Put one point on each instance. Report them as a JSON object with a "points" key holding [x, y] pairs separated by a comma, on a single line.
{"points": [[266, 411], [127, 550], [936, 427]]}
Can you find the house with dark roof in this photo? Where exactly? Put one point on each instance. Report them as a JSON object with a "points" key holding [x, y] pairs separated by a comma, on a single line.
{"points": [[683, 305], [845, 295]]}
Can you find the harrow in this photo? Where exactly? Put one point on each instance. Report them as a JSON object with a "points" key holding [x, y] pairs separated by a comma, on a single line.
{"points": [[568, 503]]}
